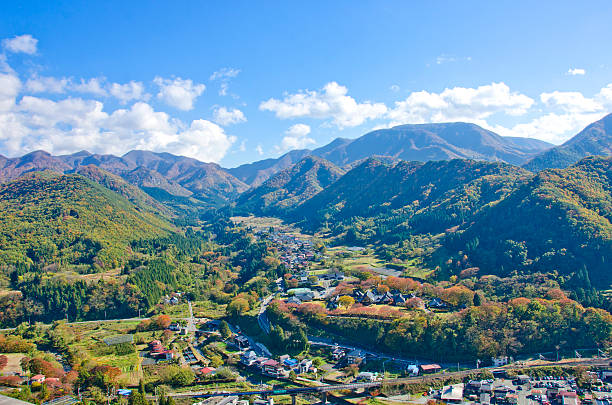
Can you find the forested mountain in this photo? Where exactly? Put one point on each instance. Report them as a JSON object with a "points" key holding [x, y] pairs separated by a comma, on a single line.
{"points": [[139, 198], [425, 142], [256, 173], [49, 218], [422, 142], [408, 197], [290, 187], [596, 139], [559, 220], [156, 173]]}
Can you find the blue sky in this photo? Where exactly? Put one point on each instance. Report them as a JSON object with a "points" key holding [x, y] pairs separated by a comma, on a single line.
{"points": [[238, 81]]}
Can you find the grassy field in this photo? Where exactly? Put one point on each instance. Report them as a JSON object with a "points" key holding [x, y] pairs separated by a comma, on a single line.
{"points": [[13, 363], [264, 223], [89, 340]]}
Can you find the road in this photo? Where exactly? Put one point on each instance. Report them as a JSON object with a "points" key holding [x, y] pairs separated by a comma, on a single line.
{"points": [[262, 318], [191, 327], [288, 391]]}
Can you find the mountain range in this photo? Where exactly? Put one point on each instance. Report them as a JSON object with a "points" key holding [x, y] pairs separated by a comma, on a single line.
{"points": [[421, 142], [455, 189], [186, 182]]}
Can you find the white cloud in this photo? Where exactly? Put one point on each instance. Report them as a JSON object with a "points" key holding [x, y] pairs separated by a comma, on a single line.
{"points": [[394, 88], [296, 137], [92, 86], [605, 96], [71, 124], [223, 116], [331, 102], [21, 44], [128, 91], [10, 85], [178, 93], [576, 72], [570, 101], [459, 104], [259, 150], [224, 75], [442, 59], [46, 84], [551, 127]]}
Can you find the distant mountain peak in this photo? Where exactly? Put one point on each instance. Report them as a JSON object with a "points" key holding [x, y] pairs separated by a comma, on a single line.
{"points": [[595, 139]]}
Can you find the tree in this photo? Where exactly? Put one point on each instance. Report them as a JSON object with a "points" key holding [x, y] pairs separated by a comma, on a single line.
{"points": [[136, 398], [141, 387], [162, 321], [477, 300], [183, 377], [225, 330], [237, 307], [3, 361], [346, 301]]}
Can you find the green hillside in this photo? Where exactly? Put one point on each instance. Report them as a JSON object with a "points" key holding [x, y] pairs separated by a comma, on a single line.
{"points": [[139, 198], [47, 218], [392, 202], [290, 187], [559, 221], [594, 140]]}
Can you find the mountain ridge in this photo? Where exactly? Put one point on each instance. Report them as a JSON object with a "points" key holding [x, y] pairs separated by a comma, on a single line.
{"points": [[595, 139]]}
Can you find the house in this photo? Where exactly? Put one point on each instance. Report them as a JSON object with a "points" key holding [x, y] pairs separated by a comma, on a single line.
{"points": [[366, 376], [248, 358], [486, 387], [158, 352], [303, 294], [369, 298], [437, 303], [259, 362], [399, 300], [290, 363], [174, 326], [38, 378], [499, 361], [272, 368], [412, 369], [472, 387], [241, 341], [502, 391], [332, 303], [386, 298], [294, 300], [569, 398], [430, 368], [522, 379], [338, 353], [305, 366], [207, 371], [355, 356], [452, 393]]}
